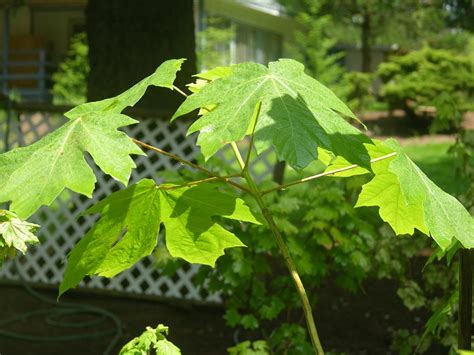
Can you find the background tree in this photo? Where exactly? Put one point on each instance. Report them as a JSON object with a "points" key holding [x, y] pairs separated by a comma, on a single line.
{"points": [[407, 24]]}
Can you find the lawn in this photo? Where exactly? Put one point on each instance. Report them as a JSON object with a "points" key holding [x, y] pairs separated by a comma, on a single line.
{"points": [[440, 166]]}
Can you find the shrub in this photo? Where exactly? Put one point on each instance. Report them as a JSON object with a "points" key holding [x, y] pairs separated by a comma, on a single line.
{"points": [[70, 80], [429, 77]]}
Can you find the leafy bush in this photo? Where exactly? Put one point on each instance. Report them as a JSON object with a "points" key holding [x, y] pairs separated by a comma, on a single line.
{"points": [[151, 341], [356, 89], [332, 243], [429, 77], [70, 80], [313, 44], [214, 43], [435, 293], [327, 242]]}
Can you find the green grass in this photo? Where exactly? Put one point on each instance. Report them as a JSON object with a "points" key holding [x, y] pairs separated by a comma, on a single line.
{"points": [[438, 165]]}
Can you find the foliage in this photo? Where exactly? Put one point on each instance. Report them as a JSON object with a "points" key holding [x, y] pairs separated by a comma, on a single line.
{"points": [[328, 243], [280, 107], [57, 161], [131, 221], [151, 339], [284, 90], [437, 162], [410, 200], [356, 90], [213, 42], [434, 294], [70, 80], [258, 347], [15, 234], [463, 152], [312, 44], [429, 77]]}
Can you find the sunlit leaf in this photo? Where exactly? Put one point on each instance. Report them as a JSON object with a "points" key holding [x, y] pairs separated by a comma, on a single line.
{"points": [[15, 234], [35, 175], [408, 199], [298, 114], [151, 339]]}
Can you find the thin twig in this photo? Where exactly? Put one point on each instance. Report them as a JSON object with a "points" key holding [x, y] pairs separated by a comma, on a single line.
{"points": [[326, 173], [180, 91], [201, 181], [191, 164]]}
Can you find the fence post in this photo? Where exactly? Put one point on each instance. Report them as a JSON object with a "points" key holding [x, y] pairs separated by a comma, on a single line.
{"points": [[42, 75]]}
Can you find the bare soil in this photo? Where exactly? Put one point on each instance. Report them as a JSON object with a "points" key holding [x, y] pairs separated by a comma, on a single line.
{"points": [[358, 323]]}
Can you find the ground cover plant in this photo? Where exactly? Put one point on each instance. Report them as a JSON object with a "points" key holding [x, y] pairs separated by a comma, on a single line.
{"points": [[251, 108]]}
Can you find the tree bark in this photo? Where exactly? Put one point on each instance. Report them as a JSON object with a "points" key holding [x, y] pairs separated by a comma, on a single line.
{"points": [[128, 39], [366, 33]]}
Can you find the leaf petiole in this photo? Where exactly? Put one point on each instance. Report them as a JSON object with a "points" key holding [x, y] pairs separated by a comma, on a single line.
{"points": [[201, 181], [191, 164], [326, 173]]}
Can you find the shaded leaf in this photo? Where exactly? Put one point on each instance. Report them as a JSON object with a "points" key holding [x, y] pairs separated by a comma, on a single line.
{"points": [[130, 223]]}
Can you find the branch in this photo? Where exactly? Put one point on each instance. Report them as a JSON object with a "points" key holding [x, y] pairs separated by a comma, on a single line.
{"points": [[191, 164], [201, 181], [326, 173], [180, 91]]}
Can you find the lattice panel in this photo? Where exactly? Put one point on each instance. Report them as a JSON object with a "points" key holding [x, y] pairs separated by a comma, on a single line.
{"points": [[62, 225]]}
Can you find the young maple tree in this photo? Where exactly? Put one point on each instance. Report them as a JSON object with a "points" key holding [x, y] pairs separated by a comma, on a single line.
{"points": [[277, 107]]}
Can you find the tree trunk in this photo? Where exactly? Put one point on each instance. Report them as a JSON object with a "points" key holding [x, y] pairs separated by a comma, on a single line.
{"points": [[366, 41], [465, 299], [128, 39]]}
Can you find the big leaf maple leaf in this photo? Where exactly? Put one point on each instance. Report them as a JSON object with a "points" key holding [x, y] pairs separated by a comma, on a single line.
{"points": [[131, 220], [35, 175], [297, 115]]}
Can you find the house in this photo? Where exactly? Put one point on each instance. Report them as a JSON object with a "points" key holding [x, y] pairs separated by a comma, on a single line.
{"points": [[39, 31], [260, 28]]}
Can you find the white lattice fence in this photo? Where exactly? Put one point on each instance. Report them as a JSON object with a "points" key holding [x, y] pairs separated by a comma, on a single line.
{"points": [[62, 225]]}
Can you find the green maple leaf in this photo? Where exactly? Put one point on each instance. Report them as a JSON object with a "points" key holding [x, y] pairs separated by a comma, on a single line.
{"points": [[15, 233], [130, 223], [445, 217], [384, 191], [408, 199], [35, 175], [126, 232], [297, 115]]}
